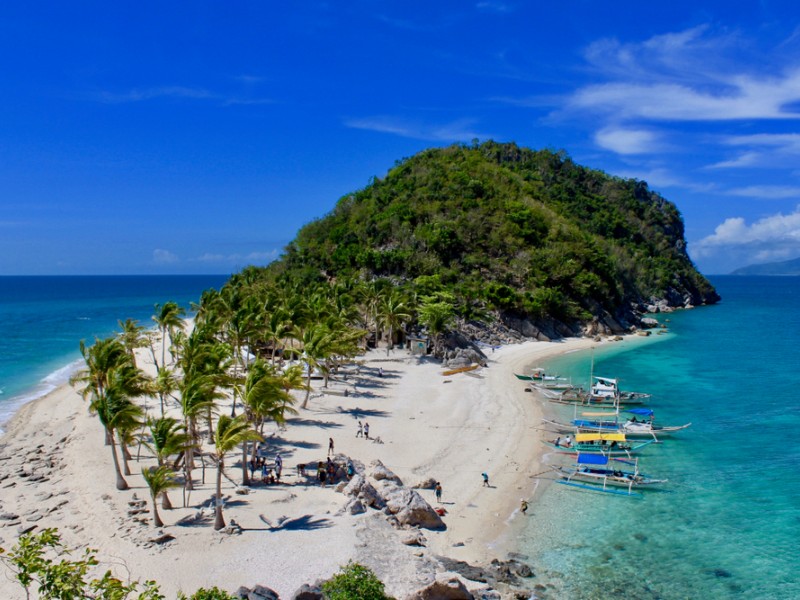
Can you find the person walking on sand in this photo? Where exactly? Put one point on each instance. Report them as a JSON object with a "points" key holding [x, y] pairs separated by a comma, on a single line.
{"points": [[360, 431], [330, 446], [438, 490], [523, 506], [485, 479], [366, 430]]}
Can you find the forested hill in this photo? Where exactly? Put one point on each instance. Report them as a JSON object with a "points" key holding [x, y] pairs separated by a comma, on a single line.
{"points": [[527, 235]]}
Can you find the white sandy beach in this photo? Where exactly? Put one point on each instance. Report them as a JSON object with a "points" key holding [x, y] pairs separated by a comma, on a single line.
{"points": [[448, 428]]}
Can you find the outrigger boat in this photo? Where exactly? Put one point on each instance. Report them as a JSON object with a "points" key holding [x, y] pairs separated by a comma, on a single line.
{"points": [[631, 427], [538, 374], [608, 444], [605, 389], [592, 472]]}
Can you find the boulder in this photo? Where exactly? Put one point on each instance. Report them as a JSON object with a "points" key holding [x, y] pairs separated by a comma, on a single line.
{"points": [[450, 589], [415, 538], [308, 592], [355, 507], [411, 509], [379, 472], [425, 484], [261, 592]]}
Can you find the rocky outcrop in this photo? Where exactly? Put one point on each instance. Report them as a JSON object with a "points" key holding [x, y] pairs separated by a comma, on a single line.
{"points": [[449, 589], [379, 472], [506, 572], [411, 509]]}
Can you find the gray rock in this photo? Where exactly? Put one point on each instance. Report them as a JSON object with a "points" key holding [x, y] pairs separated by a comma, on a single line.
{"points": [[414, 539], [411, 509], [261, 592], [355, 507], [452, 589], [308, 592], [426, 484]]}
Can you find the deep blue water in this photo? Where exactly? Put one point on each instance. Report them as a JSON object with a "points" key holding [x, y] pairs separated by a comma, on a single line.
{"points": [[42, 320], [727, 524]]}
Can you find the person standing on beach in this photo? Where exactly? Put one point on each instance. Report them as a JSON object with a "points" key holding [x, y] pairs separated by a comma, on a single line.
{"points": [[523, 506], [438, 490], [360, 431], [330, 446], [366, 430], [485, 479]]}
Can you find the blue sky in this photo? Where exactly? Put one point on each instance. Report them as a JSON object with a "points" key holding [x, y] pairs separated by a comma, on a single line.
{"points": [[197, 137]]}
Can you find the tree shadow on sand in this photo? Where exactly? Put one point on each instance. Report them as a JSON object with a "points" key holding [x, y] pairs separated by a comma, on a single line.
{"points": [[357, 412], [304, 523]]}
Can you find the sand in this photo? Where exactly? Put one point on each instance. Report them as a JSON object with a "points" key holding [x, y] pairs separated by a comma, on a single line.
{"points": [[55, 471]]}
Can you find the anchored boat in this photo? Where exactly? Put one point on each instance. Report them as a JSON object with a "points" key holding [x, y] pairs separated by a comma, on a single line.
{"points": [[608, 444], [594, 472]]}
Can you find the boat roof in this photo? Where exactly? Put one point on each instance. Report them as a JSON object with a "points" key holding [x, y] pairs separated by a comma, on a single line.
{"points": [[596, 437], [606, 380], [647, 412], [592, 459], [599, 414]]}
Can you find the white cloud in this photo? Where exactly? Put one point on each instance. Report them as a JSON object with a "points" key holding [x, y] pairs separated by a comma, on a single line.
{"points": [[164, 257], [767, 192], [627, 141], [748, 159], [456, 131], [177, 92], [771, 238]]}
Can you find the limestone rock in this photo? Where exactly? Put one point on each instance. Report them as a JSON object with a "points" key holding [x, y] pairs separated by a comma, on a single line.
{"points": [[379, 472], [426, 484], [451, 589], [411, 509], [355, 507]]}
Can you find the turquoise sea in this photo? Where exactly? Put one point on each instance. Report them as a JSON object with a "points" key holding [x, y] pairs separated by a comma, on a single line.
{"points": [[42, 320], [727, 525]]}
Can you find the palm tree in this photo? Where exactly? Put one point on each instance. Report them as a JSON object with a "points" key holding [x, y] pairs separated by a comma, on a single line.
{"points": [[316, 340], [168, 318], [159, 480], [110, 380], [436, 316], [164, 384], [115, 409], [132, 337], [198, 396], [230, 433], [168, 437], [392, 313]]}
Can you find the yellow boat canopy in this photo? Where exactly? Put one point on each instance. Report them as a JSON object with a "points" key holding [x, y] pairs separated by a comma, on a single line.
{"points": [[596, 437], [599, 414]]}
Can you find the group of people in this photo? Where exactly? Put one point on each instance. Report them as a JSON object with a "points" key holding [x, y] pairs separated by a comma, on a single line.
{"points": [[363, 430], [329, 471], [269, 474]]}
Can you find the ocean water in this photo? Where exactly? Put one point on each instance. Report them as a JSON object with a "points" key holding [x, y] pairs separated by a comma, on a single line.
{"points": [[727, 525], [42, 320]]}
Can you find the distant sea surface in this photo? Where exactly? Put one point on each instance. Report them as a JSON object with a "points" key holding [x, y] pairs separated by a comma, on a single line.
{"points": [[42, 320], [727, 524]]}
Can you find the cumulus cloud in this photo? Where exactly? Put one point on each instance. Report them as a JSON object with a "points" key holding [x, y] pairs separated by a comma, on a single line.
{"points": [[776, 237]]}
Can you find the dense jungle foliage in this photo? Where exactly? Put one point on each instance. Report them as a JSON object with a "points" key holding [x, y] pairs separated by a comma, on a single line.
{"points": [[502, 227]]}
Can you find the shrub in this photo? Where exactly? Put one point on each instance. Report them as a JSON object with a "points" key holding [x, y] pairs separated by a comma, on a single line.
{"points": [[354, 581]]}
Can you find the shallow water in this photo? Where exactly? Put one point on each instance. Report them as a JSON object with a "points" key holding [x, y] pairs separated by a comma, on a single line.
{"points": [[726, 524]]}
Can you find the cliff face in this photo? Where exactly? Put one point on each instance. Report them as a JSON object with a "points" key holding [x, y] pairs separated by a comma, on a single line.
{"points": [[545, 244]]}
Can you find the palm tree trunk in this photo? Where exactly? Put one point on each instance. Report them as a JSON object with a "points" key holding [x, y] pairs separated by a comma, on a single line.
{"points": [[245, 475], [156, 517], [219, 520], [308, 388], [165, 502], [121, 483], [126, 456]]}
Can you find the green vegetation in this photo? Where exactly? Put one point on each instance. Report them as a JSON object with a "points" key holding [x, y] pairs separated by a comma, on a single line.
{"points": [[354, 581], [508, 229], [40, 562]]}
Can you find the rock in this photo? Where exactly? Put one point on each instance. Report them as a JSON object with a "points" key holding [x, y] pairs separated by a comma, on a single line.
{"points": [[23, 529], [649, 323], [487, 594], [522, 570], [450, 589], [426, 484], [308, 592], [379, 472], [411, 509], [355, 507], [163, 538], [6, 516], [340, 486], [414, 539], [261, 592], [34, 518]]}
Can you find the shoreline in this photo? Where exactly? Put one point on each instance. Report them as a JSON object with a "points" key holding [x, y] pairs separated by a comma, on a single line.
{"points": [[450, 428]]}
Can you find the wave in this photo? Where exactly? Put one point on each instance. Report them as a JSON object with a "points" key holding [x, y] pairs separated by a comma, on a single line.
{"points": [[50, 382]]}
